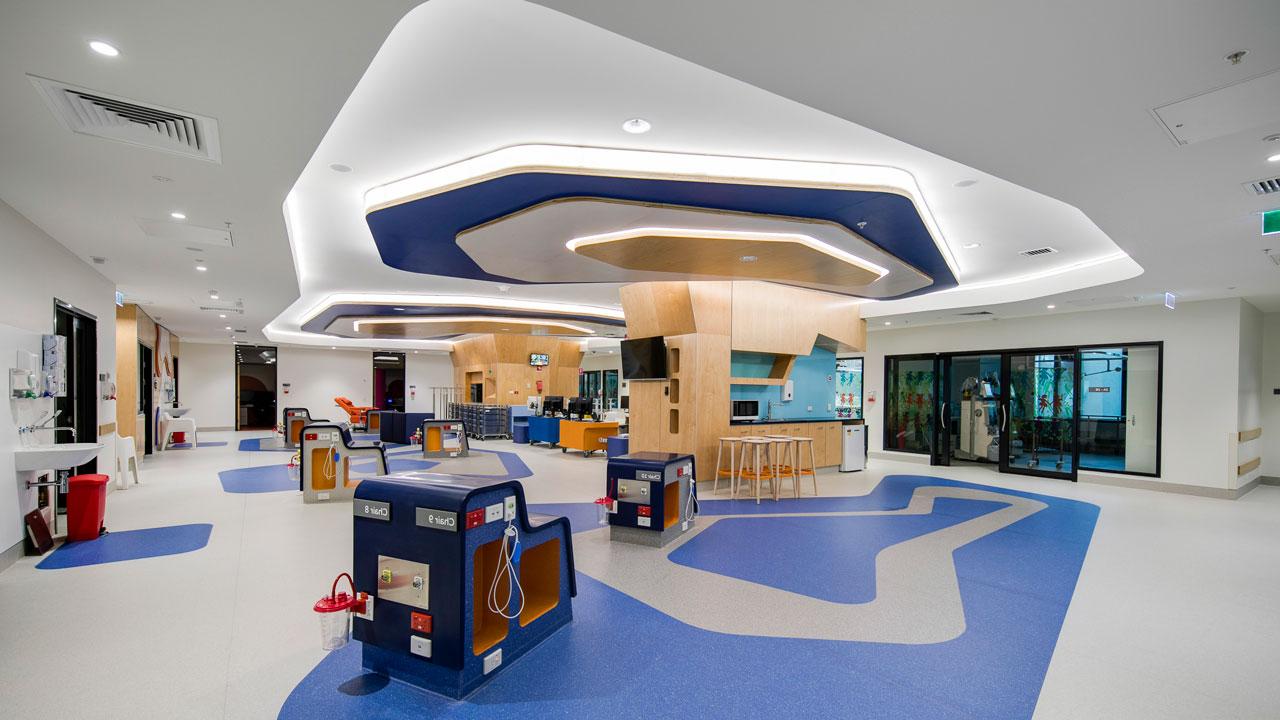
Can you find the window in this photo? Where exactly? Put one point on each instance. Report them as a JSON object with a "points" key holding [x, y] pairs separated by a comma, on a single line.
{"points": [[849, 388]]}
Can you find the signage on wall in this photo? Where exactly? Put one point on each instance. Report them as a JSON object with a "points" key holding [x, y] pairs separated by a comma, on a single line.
{"points": [[1100, 389], [1271, 222], [119, 298]]}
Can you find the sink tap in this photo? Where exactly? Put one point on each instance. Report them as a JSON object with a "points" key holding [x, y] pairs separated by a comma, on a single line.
{"points": [[769, 412]]}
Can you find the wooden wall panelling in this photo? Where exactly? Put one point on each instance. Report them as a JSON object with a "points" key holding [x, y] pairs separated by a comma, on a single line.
{"points": [[126, 374], [778, 319], [1247, 435], [658, 309]]}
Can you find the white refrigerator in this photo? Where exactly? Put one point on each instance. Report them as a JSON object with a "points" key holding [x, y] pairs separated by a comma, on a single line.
{"points": [[853, 448]]}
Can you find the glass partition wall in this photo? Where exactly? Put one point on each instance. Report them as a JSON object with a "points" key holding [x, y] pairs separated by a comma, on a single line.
{"points": [[1043, 412]]}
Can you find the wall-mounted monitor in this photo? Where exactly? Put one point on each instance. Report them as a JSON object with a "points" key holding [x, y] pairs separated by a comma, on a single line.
{"points": [[539, 359], [644, 359]]}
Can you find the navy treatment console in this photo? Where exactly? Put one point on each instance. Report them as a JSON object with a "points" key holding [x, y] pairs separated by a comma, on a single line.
{"points": [[464, 580]]}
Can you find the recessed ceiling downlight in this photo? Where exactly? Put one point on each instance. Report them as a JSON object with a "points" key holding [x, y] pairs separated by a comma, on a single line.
{"points": [[178, 215], [637, 126], [103, 48], [971, 246], [1274, 158]]}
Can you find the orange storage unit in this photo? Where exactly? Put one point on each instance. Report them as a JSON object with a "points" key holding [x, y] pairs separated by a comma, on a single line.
{"points": [[585, 436]]}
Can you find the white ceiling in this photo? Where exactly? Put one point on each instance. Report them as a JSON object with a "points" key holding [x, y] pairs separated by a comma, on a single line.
{"points": [[500, 84], [273, 74], [1051, 97]]}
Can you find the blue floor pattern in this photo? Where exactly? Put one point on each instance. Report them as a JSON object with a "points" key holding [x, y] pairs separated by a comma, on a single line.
{"points": [[1015, 583], [129, 545], [187, 445], [255, 445], [278, 478]]}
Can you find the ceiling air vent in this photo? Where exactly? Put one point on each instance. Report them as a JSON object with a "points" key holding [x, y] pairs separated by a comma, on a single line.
{"points": [[1036, 252], [979, 313], [90, 112], [1268, 186]]}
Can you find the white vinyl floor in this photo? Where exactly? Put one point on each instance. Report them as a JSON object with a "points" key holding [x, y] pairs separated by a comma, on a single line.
{"points": [[1175, 615]]}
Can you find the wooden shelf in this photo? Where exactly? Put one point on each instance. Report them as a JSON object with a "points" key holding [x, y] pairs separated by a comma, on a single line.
{"points": [[757, 381]]}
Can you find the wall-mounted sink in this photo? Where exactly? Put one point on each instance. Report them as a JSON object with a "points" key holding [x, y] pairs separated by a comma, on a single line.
{"points": [[55, 457]]}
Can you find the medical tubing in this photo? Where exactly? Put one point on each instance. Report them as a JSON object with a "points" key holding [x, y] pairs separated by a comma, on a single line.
{"points": [[506, 566]]}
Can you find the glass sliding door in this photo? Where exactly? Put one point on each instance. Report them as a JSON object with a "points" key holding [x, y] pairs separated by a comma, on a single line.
{"points": [[1120, 408], [971, 408], [1038, 417], [910, 404]]}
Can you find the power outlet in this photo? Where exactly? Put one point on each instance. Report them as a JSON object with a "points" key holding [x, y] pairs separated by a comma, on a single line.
{"points": [[368, 608], [493, 512], [492, 661], [509, 508], [422, 646]]}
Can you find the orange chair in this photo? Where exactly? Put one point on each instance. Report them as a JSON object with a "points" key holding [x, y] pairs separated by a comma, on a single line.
{"points": [[357, 413]]}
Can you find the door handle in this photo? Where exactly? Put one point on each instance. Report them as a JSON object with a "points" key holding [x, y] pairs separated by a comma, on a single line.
{"points": [[942, 413], [1002, 418]]}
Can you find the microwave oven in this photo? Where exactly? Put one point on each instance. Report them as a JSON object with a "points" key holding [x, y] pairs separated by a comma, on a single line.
{"points": [[745, 410]]}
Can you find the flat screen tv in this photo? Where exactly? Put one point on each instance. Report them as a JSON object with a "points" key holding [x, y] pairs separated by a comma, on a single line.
{"points": [[539, 359], [644, 359]]}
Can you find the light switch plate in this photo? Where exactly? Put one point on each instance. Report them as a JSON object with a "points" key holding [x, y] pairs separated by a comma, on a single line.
{"points": [[493, 512], [422, 646], [643, 521], [492, 661]]}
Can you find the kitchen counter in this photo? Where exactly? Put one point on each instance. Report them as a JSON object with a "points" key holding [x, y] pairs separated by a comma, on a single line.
{"points": [[793, 421]]}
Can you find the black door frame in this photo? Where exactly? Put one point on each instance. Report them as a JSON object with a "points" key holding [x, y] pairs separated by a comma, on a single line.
{"points": [[146, 399], [1006, 381]]}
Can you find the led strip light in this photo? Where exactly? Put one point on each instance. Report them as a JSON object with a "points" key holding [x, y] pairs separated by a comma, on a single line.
{"points": [[356, 325], [704, 235]]}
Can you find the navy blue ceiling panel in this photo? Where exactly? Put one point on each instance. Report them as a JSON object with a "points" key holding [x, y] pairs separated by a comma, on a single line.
{"points": [[420, 235], [325, 318]]}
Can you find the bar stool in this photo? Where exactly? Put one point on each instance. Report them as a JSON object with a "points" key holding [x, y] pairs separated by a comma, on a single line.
{"points": [[784, 463], [754, 464], [801, 444], [731, 473]]}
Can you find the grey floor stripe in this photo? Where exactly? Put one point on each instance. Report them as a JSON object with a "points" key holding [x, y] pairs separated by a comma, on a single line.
{"points": [[917, 592]]}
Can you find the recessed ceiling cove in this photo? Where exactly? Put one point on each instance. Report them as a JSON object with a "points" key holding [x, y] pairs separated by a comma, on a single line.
{"points": [[596, 226], [446, 318], [570, 239]]}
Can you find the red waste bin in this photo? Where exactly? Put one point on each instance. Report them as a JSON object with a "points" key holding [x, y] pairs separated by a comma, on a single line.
{"points": [[86, 506], [179, 438]]}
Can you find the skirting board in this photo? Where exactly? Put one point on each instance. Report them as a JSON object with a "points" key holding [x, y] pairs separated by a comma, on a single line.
{"points": [[10, 556], [916, 458], [1144, 484], [217, 428], [1268, 480]]}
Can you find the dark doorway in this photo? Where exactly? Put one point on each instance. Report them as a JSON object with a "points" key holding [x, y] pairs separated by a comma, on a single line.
{"points": [[78, 409], [145, 398], [388, 381], [255, 387]]}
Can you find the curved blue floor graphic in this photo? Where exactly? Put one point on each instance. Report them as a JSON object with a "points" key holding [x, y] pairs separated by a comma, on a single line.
{"points": [[259, 479], [1015, 585], [255, 445], [129, 545], [187, 445]]}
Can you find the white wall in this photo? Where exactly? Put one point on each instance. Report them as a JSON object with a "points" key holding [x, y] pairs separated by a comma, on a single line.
{"points": [[424, 371], [1201, 370], [207, 384], [318, 375], [1270, 401], [38, 269]]}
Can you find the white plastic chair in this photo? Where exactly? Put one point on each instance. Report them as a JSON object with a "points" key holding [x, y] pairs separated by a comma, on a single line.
{"points": [[170, 425], [126, 462]]}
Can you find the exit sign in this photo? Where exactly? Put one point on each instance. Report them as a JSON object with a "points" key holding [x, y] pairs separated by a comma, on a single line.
{"points": [[1271, 222]]}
